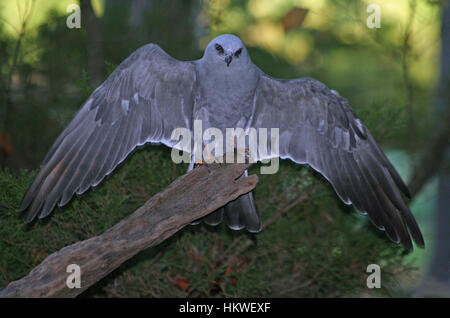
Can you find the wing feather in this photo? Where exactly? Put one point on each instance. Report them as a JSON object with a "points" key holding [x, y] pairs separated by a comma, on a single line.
{"points": [[143, 100], [319, 128], [55, 193], [82, 164]]}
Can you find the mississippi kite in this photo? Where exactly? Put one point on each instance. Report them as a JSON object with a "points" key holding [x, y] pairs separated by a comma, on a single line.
{"points": [[150, 94]]}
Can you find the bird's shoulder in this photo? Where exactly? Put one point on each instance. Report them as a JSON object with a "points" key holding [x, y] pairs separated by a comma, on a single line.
{"points": [[153, 58]]}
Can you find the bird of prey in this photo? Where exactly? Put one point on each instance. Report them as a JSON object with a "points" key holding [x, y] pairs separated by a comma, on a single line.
{"points": [[150, 94]]}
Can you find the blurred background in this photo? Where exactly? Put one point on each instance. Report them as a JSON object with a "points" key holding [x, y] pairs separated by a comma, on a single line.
{"points": [[395, 77]]}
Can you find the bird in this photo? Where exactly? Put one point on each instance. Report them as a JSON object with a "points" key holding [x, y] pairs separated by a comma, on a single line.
{"points": [[151, 93]]}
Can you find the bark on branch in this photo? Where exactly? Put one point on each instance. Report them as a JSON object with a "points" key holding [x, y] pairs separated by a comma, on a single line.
{"points": [[188, 198]]}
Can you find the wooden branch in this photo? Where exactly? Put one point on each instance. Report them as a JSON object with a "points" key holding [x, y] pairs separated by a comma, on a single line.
{"points": [[188, 198]]}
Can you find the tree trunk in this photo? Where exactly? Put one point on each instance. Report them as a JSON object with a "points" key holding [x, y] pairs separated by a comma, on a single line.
{"points": [[188, 198], [434, 156], [96, 69], [436, 282]]}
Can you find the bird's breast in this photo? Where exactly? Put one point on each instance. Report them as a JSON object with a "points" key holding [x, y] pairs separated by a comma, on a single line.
{"points": [[225, 98], [224, 110]]}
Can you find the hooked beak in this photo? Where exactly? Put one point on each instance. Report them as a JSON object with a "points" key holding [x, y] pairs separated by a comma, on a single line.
{"points": [[228, 59]]}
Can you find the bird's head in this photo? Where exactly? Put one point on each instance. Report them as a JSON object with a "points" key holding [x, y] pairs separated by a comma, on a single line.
{"points": [[226, 50]]}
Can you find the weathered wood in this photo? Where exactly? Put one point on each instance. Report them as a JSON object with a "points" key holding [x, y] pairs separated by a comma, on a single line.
{"points": [[188, 198]]}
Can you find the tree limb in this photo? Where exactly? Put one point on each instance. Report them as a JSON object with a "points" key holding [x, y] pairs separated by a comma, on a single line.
{"points": [[188, 198]]}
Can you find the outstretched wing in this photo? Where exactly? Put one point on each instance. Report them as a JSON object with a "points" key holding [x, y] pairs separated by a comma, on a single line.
{"points": [[143, 100], [318, 127]]}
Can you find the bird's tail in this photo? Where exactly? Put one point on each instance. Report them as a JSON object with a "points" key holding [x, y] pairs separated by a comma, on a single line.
{"points": [[239, 214]]}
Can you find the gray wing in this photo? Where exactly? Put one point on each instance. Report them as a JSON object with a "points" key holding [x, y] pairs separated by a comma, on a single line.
{"points": [[318, 127], [143, 100]]}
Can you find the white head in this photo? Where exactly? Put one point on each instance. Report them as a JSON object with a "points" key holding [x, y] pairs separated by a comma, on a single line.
{"points": [[227, 50]]}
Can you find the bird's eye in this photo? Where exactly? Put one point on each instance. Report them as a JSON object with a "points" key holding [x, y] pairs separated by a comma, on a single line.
{"points": [[219, 48], [238, 52]]}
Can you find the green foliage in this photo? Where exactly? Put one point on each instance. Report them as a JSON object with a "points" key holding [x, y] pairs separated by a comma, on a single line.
{"points": [[314, 248], [83, 84]]}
